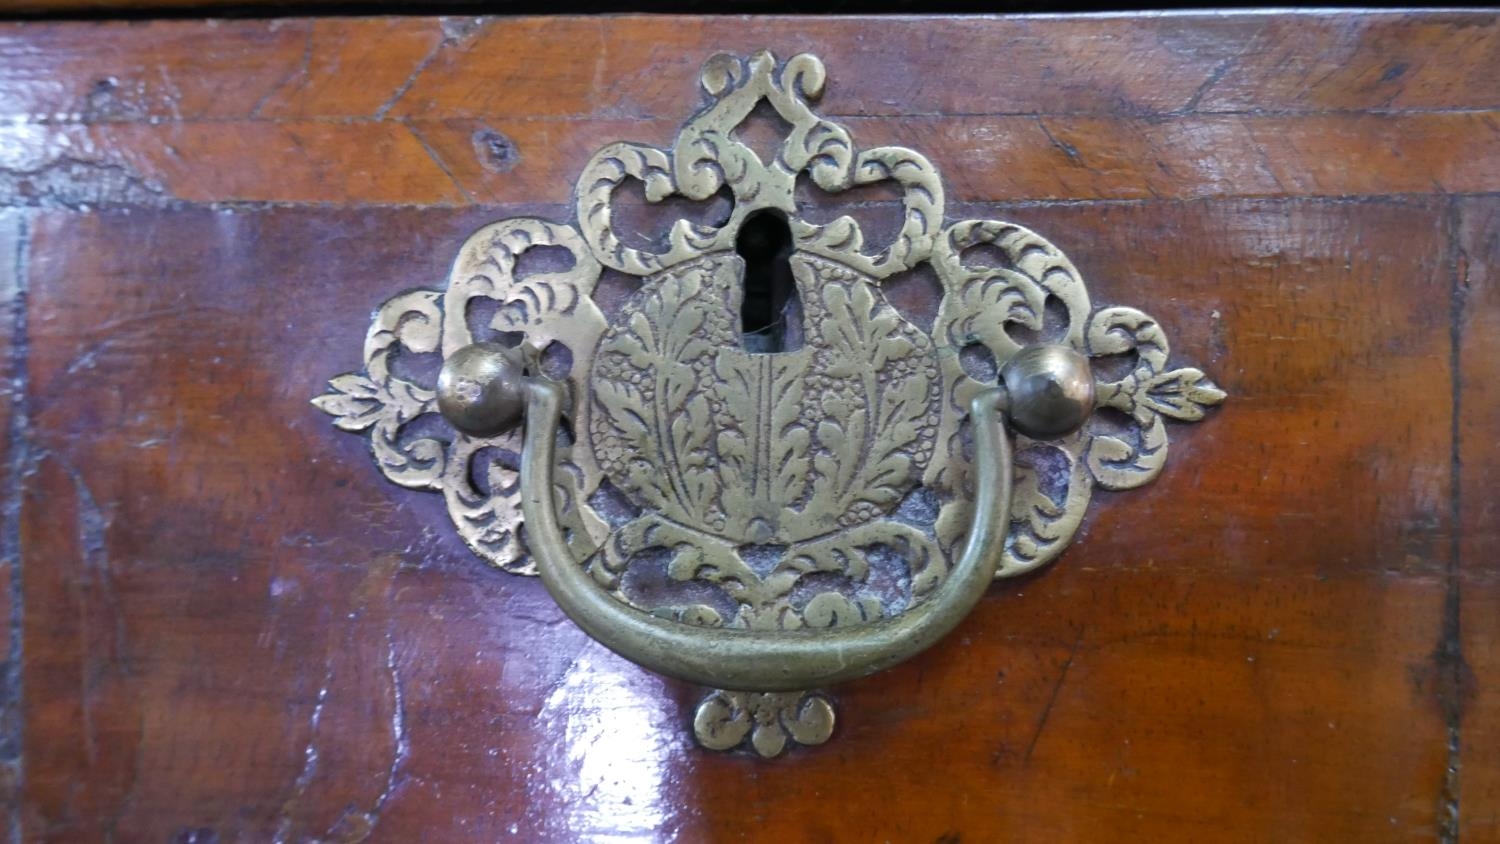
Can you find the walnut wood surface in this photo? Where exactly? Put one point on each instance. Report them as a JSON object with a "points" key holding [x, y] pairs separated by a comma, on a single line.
{"points": [[229, 628]]}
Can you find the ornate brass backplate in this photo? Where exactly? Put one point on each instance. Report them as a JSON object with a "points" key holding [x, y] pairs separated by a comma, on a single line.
{"points": [[706, 497]]}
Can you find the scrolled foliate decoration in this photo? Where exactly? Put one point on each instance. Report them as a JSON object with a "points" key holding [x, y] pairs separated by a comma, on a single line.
{"points": [[823, 485]]}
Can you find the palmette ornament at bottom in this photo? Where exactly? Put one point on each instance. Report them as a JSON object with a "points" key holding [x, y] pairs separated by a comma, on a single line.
{"points": [[770, 720]]}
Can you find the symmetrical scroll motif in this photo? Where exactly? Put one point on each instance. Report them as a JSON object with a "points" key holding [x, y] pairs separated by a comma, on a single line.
{"points": [[386, 404], [549, 311], [707, 156], [822, 485], [1146, 394], [1001, 282]]}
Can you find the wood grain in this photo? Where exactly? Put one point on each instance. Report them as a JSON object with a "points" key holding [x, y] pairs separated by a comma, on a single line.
{"points": [[235, 630], [1120, 108]]}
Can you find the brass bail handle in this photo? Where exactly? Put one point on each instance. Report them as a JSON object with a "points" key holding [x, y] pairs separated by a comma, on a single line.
{"points": [[1045, 391]]}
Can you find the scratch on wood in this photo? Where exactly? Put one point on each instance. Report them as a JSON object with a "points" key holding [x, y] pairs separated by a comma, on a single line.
{"points": [[1264, 163], [356, 825], [1052, 699], [438, 161], [1252, 42], [399, 736], [1213, 78], [450, 36], [1067, 149], [358, 819], [309, 759], [299, 72], [91, 527]]}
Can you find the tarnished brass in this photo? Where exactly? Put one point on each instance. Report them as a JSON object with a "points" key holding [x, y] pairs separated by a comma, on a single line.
{"points": [[765, 660], [479, 389], [1051, 390], [766, 508]]}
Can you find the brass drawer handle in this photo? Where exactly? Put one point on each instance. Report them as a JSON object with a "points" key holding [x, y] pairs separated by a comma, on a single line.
{"points": [[764, 661], [753, 471]]}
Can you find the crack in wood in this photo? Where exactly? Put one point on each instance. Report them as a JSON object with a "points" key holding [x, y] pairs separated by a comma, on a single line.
{"points": [[18, 442], [1454, 673]]}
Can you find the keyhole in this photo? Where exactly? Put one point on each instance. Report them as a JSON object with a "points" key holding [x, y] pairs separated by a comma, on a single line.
{"points": [[770, 314]]}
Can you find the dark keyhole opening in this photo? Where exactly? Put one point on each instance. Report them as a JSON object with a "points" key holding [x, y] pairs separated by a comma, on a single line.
{"points": [[770, 319]]}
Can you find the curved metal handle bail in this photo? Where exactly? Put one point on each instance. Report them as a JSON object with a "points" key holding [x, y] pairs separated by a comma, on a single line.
{"points": [[782, 660]]}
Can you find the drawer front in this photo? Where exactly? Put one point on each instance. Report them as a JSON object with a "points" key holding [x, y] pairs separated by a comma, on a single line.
{"points": [[226, 625]]}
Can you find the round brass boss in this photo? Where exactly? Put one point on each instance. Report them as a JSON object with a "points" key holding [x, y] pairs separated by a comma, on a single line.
{"points": [[479, 389], [1051, 390]]}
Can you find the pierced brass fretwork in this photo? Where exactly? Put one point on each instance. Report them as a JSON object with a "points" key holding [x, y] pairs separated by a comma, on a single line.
{"points": [[765, 518]]}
